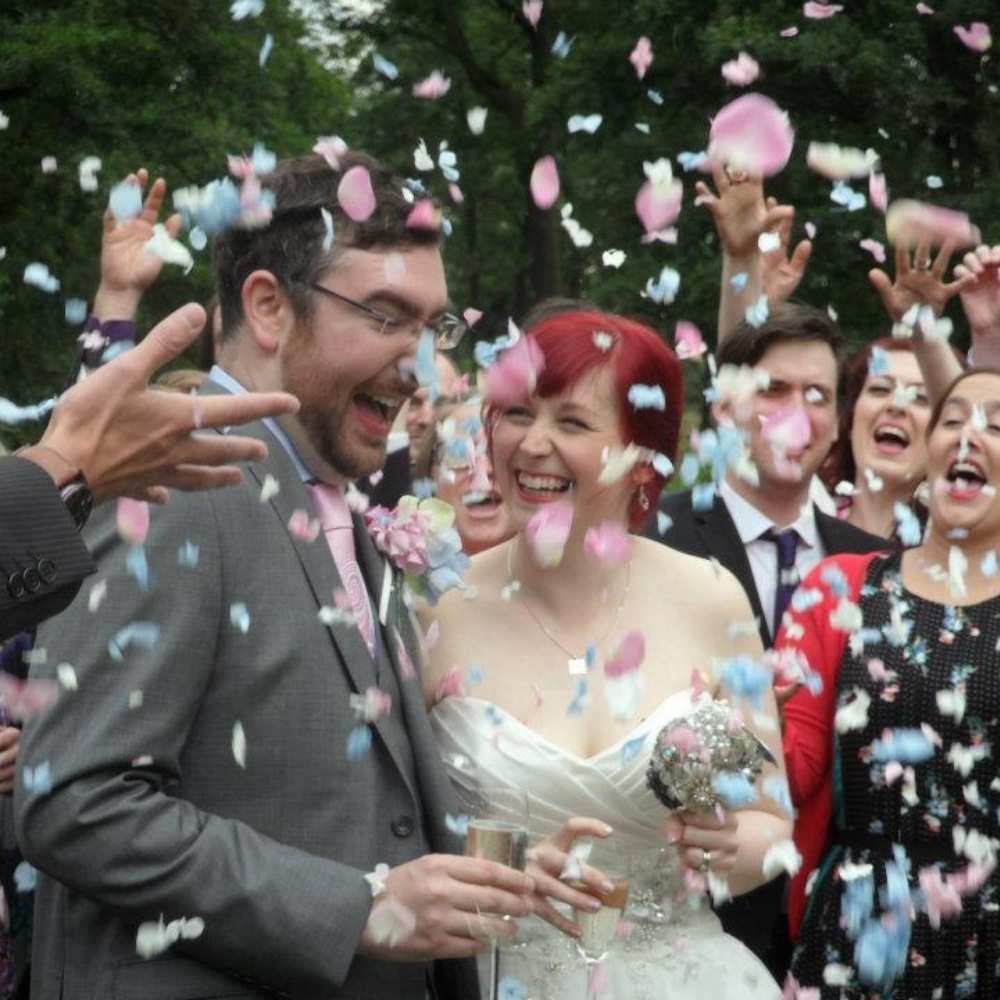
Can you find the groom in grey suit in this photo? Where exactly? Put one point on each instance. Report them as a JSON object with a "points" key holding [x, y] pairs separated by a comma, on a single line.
{"points": [[200, 827]]}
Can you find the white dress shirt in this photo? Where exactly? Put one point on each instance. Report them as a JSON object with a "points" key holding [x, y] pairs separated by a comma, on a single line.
{"points": [[763, 554]]}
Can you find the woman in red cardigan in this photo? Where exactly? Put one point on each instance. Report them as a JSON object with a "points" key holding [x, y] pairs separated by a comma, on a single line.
{"points": [[891, 765]]}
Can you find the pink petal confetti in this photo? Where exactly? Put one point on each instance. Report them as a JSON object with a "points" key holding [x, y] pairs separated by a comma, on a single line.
{"points": [[433, 87], [548, 530], [456, 194], [532, 10], [821, 11], [355, 194], [976, 36], [787, 429], [876, 249], [331, 148], [423, 215], [514, 377], [690, 344], [922, 8], [752, 134], [608, 543], [472, 316], [599, 980], [302, 527], [641, 56], [658, 203], [908, 222], [23, 699], [878, 192], [810, 229], [628, 656], [406, 668], [451, 685], [741, 71], [132, 517], [790, 32], [545, 183]]}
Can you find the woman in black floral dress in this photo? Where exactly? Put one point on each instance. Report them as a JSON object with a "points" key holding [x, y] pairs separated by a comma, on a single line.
{"points": [[893, 762]]}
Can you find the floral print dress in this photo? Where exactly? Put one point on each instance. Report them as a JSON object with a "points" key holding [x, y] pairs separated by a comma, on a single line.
{"points": [[905, 905]]}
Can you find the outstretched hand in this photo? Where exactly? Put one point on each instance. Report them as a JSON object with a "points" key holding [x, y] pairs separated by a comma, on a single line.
{"points": [[131, 439], [739, 210], [918, 280], [126, 269], [981, 294]]}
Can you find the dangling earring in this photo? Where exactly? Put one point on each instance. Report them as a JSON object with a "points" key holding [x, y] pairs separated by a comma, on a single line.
{"points": [[643, 499]]}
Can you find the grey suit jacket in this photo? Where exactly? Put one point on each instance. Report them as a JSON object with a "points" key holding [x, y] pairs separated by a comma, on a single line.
{"points": [[150, 813]]}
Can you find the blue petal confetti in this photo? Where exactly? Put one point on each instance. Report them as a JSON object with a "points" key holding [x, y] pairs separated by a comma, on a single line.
{"points": [[198, 238], [690, 468], [459, 825], [493, 715], [25, 877], [703, 496], [240, 9], [38, 276], [907, 525], [37, 779], [426, 368], [239, 617], [424, 488], [581, 695], [11, 413], [144, 634], [657, 98], [692, 161], [76, 311], [662, 465], [757, 313], [359, 742], [664, 522], [382, 65], [733, 788], [328, 226], [632, 748], [562, 45], [187, 555], [745, 677], [265, 49], [590, 655], [907, 746], [805, 598], [988, 567], [738, 282], [510, 988], [878, 362], [475, 675], [664, 289], [834, 578], [845, 196], [647, 397], [125, 201], [137, 567]]}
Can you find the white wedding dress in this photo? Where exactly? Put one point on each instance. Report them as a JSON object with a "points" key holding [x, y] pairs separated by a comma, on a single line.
{"points": [[670, 950]]}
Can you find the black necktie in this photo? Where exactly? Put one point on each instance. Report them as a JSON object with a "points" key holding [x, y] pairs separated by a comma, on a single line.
{"points": [[786, 542]]}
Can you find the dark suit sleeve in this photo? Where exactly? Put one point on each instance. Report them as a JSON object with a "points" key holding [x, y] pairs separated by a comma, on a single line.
{"points": [[42, 558], [395, 483]]}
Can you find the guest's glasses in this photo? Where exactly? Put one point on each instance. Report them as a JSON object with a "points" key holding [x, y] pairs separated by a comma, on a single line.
{"points": [[447, 331]]}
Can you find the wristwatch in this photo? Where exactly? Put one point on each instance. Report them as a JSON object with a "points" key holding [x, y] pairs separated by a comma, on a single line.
{"points": [[74, 490], [78, 499]]}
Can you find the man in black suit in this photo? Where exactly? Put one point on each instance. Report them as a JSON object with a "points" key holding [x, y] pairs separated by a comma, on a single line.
{"points": [[111, 435], [766, 530]]}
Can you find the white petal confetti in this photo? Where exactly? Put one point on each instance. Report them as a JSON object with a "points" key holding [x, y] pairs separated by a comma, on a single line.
{"points": [[239, 745]]}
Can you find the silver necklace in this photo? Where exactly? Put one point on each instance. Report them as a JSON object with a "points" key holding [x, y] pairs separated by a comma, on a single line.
{"points": [[576, 665]]}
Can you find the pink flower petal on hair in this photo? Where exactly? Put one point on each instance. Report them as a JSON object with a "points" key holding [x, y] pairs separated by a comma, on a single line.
{"points": [[908, 222], [658, 205], [608, 543], [514, 376], [641, 56], [752, 134], [789, 32], [133, 520], [787, 429], [472, 316], [878, 192], [433, 87], [355, 194], [976, 36], [876, 249], [690, 344], [628, 656], [548, 530], [741, 71], [545, 182], [423, 215], [331, 148], [821, 11], [532, 10]]}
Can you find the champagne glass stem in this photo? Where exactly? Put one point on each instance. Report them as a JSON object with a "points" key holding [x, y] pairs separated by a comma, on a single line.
{"points": [[494, 986]]}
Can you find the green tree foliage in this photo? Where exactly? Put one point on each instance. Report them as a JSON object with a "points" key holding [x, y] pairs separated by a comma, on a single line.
{"points": [[173, 87], [878, 75]]}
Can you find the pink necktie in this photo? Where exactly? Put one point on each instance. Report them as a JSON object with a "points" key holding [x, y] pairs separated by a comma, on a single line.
{"points": [[335, 518]]}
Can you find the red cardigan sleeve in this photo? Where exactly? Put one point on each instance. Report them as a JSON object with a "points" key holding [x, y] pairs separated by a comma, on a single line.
{"points": [[808, 718]]}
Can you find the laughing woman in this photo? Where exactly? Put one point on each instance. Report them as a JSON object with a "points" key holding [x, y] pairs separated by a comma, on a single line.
{"points": [[577, 740], [905, 903]]}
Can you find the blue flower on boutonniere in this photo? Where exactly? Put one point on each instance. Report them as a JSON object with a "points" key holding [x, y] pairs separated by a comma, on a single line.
{"points": [[420, 539]]}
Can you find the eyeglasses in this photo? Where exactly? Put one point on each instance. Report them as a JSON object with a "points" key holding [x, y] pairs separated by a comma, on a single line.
{"points": [[447, 331]]}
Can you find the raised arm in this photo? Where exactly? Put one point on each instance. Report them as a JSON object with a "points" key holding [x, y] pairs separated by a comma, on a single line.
{"points": [[981, 302], [920, 281]]}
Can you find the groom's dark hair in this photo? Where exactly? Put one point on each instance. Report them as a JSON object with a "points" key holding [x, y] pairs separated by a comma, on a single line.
{"points": [[291, 245]]}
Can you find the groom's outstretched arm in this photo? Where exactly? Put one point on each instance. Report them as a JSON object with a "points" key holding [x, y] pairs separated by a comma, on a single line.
{"points": [[112, 826]]}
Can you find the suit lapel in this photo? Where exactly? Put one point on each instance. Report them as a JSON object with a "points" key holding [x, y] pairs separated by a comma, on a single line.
{"points": [[720, 539]]}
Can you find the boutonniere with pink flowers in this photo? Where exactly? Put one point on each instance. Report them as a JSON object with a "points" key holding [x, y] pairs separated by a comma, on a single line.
{"points": [[420, 540]]}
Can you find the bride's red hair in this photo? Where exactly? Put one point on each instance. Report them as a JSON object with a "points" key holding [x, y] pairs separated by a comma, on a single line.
{"points": [[637, 356]]}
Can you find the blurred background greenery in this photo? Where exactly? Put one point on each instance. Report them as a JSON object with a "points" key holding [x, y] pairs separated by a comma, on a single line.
{"points": [[176, 86]]}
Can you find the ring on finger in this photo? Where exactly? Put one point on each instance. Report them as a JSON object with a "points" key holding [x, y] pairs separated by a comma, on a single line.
{"points": [[706, 861]]}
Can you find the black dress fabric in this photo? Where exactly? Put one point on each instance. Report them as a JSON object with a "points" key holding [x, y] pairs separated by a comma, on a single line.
{"points": [[914, 767]]}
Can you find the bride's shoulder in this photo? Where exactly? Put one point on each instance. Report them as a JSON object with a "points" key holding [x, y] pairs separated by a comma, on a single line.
{"points": [[693, 575]]}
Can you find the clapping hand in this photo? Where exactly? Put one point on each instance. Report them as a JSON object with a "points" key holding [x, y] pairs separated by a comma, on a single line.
{"points": [[126, 269], [918, 281], [781, 273]]}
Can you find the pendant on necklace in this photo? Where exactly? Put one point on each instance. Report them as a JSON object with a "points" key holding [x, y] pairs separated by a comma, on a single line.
{"points": [[577, 665]]}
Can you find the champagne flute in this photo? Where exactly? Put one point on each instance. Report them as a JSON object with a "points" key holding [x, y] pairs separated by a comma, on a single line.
{"points": [[498, 831], [598, 929]]}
